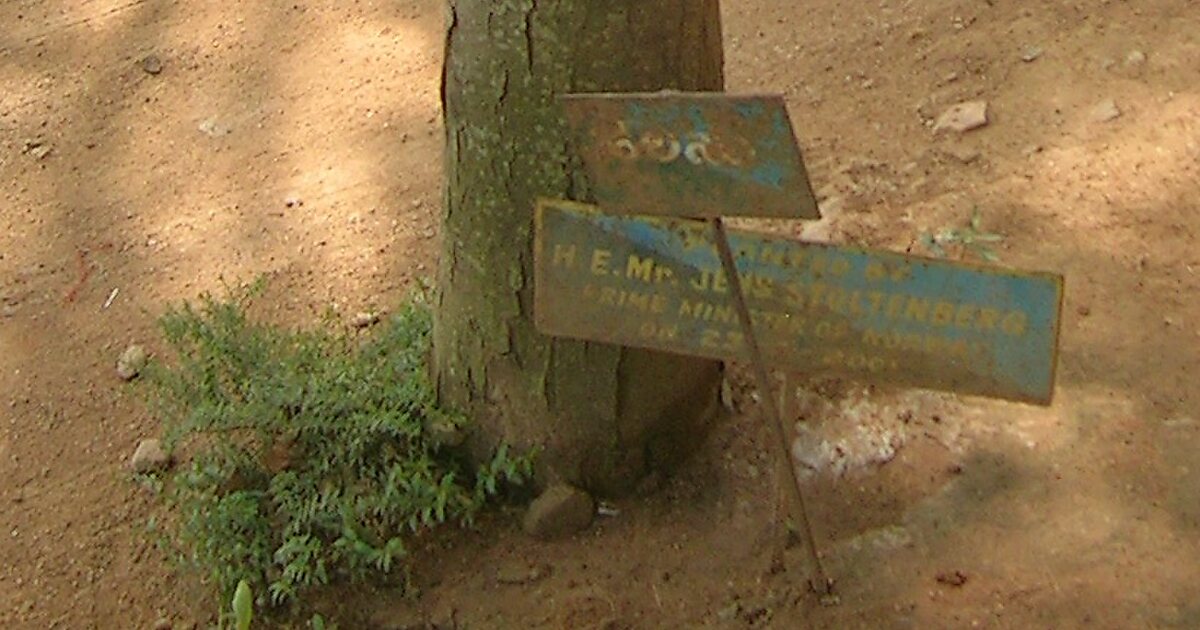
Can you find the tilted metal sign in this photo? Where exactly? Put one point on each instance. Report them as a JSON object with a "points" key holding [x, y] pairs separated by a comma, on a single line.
{"points": [[691, 154], [887, 318]]}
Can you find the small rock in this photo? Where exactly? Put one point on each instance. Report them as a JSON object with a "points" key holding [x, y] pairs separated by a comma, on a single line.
{"points": [[212, 128], [164, 623], [726, 395], [952, 578], [30, 144], [1032, 150], [1106, 111], [560, 511], [1031, 54], [1135, 58], [131, 362], [832, 206], [41, 151], [292, 201], [152, 64], [965, 155], [817, 231], [515, 573], [363, 320], [149, 457], [963, 117]]}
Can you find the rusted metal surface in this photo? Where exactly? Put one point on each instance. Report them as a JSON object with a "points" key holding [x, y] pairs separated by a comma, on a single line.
{"points": [[875, 316], [690, 154], [797, 505]]}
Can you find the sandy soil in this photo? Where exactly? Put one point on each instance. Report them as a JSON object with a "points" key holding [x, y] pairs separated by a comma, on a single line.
{"points": [[157, 148]]}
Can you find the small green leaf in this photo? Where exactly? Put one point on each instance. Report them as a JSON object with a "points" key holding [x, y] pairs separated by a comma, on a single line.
{"points": [[976, 219], [243, 606]]}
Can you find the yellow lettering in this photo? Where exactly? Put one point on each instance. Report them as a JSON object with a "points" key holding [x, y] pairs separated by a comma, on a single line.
{"points": [[794, 296], [600, 260], [894, 305], [966, 313], [564, 256], [957, 348], [690, 309], [713, 281], [771, 256], [816, 293], [759, 286], [710, 338], [876, 300], [663, 333], [1014, 323], [943, 313], [840, 267], [855, 303], [989, 319], [718, 283], [917, 309], [836, 299], [876, 271], [640, 268]]}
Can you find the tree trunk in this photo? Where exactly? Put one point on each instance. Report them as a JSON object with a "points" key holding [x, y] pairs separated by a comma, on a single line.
{"points": [[602, 416]]}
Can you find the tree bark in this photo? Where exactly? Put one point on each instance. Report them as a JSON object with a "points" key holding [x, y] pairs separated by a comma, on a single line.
{"points": [[602, 416]]}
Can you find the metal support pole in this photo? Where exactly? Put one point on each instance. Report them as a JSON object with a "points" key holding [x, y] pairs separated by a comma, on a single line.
{"points": [[822, 584]]}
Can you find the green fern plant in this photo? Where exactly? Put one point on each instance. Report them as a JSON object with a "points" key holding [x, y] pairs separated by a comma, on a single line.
{"points": [[313, 455]]}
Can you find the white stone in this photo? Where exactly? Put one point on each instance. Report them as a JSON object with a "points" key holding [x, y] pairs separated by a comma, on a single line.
{"points": [[963, 117], [1106, 111], [149, 457]]}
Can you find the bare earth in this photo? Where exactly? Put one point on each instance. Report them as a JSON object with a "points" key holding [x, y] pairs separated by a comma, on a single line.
{"points": [[936, 512]]}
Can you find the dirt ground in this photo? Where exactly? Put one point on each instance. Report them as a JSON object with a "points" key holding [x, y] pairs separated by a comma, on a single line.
{"points": [[150, 149]]}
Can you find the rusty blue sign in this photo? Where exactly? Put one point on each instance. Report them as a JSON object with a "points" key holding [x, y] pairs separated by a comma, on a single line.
{"points": [[876, 316], [691, 154]]}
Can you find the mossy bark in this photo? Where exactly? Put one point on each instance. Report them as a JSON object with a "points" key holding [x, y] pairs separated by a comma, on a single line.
{"points": [[602, 416]]}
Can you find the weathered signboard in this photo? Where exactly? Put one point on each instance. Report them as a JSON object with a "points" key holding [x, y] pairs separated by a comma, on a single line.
{"points": [[886, 318], [694, 154]]}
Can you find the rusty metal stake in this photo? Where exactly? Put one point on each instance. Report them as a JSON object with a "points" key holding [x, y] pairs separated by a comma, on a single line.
{"points": [[822, 585]]}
